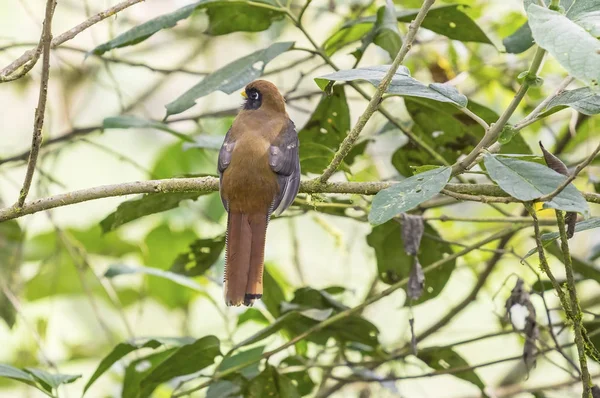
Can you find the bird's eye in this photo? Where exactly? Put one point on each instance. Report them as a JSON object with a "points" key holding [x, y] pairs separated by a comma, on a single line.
{"points": [[253, 95]]}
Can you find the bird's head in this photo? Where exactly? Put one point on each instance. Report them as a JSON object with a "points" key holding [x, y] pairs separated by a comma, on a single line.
{"points": [[264, 95]]}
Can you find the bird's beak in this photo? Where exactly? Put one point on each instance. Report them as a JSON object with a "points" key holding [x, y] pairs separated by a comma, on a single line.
{"points": [[243, 93]]}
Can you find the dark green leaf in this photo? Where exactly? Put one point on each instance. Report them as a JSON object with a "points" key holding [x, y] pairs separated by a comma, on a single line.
{"points": [[239, 16], [151, 203], [583, 100], [327, 127], [447, 130], [252, 314], [393, 264], [441, 358], [187, 359], [593, 329], [449, 21], [271, 384], [384, 33], [229, 78], [520, 41], [137, 370], [11, 257], [147, 29], [402, 83], [127, 122], [242, 357], [529, 181], [581, 267], [51, 381], [304, 383], [224, 17], [202, 255], [123, 349], [576, 49], [407, 194], [273, 292]]}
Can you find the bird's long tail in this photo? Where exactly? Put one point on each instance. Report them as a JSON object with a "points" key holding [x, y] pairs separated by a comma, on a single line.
{"points": [[244, 259]]}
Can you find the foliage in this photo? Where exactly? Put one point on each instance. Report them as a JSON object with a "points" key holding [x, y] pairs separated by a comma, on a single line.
{"points": [[438, 182]]}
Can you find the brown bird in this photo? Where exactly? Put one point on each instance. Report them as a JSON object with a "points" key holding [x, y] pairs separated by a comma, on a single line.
{"points": [[259, 171]]}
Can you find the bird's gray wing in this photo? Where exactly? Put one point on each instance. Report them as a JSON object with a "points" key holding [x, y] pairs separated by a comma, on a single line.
{"points": [[224, 161], [285, 161]]}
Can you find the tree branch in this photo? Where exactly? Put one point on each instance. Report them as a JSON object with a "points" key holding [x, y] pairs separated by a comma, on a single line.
{"points": [[66, 36], [351, 138], [492, 134], [575, 307], [38, 122]]}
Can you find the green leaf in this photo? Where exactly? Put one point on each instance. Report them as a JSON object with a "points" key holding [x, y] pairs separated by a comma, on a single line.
{"points": [[229, 78], [122, 269], [402, 83], [224, 17], [583, 100], [585, 13], [393, 264], [449, 21], [528, 181], [407, 194], [151, 203], [273, 293], [327, 127], [271, 384], [384, 33], [128, 121], [254, 315], [520, 41], [187, 359], [572, 46], [202, 255], [123, 349], [137, 370], [51, 381], [442, 358]]}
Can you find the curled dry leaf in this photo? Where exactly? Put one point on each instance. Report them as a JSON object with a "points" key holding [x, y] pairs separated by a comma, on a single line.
{"points": [[532, 333], [595, 391], [412, 232], [416, 281], [557, 165]]}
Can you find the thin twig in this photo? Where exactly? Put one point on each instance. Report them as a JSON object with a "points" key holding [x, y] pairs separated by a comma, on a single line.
{"points": [[533, 116], [351, 138], [68, 35], [571, 177], [577, 316], [475, 117], [492, 134], [38, 123]]}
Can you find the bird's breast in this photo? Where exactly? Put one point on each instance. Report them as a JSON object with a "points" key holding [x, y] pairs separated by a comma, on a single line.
{"points": [[249, 184]]}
